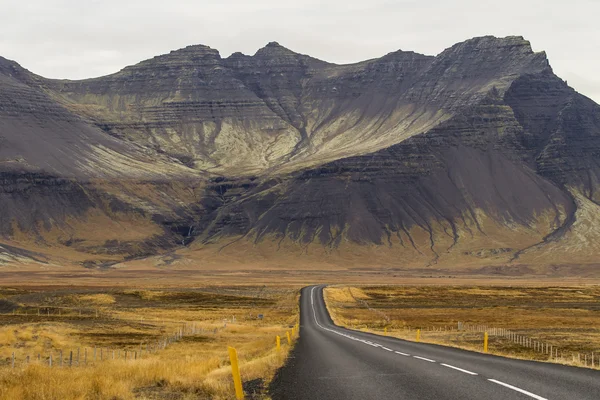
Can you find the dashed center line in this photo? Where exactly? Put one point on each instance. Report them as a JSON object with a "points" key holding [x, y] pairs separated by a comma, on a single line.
{"points": [[402, 354], [424, 359], [459, 369], [385, 348], [516, 389]]}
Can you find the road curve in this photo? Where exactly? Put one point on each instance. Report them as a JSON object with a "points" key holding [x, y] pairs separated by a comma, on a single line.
{"points": [[333, 363]]}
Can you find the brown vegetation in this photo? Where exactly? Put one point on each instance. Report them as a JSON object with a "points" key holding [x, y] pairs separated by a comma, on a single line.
{"points": [[44, 322], [565, 318]]}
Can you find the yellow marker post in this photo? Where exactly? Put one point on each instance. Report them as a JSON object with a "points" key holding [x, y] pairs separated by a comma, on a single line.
{"points": [[235, 370], [385, 330], [485, 342], [278, 341], [289, 338], [418, 335]]}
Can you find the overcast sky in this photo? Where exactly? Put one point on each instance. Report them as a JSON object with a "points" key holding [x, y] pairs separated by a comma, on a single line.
{"points": [[86, 38]]}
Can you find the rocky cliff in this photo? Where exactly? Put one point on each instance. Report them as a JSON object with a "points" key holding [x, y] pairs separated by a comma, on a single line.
{"points": [[478, 155]]}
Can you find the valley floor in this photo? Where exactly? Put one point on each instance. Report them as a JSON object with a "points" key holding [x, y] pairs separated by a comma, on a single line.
{"points": [[87, 321]]}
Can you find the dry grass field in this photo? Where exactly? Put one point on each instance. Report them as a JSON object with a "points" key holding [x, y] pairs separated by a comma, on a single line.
{"points": [[566, 318], [39, 322]]}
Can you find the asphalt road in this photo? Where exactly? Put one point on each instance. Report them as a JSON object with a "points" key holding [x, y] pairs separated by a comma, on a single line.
{"points": [[330, 362]]}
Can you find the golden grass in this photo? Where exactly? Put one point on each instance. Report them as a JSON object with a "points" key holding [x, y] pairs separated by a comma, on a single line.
{"points": [[196, 367], [100, 299], [564, 317]]}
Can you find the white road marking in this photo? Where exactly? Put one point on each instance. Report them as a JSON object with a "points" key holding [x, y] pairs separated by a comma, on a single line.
{"points": [[535, 396], [368, 342], [424, 359], [312, 303], [459, 369]]}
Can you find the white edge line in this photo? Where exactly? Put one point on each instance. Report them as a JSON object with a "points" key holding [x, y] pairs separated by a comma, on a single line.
{"points": [[535, 396], [368, 342], [459, 369], [424, 359]]}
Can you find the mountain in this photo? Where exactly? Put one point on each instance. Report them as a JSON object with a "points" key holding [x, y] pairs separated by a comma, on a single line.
{"points": [[479, 158]]}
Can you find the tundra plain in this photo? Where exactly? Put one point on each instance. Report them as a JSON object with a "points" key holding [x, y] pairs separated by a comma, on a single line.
{"points": [[562, 320], [109, 343]]}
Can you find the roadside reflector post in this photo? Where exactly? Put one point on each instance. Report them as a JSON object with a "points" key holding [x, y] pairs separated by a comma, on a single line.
{"points": [[418, 335], [278, 341], [485, 342], [289, 338], [235, 371], [385, 330]]}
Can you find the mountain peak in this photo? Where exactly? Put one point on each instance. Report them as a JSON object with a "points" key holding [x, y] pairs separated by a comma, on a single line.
{"points": [[14, 70], [490, 55], [7, 64], [184, 57], [192, 51], [274, 49], [195, 48], [515, 45]]}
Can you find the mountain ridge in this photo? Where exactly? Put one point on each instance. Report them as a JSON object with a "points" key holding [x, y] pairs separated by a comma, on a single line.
{"points": [[481, 149]]}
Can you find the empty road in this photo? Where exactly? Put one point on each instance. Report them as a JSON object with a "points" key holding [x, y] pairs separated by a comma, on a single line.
{"points": [[333, 363]]}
